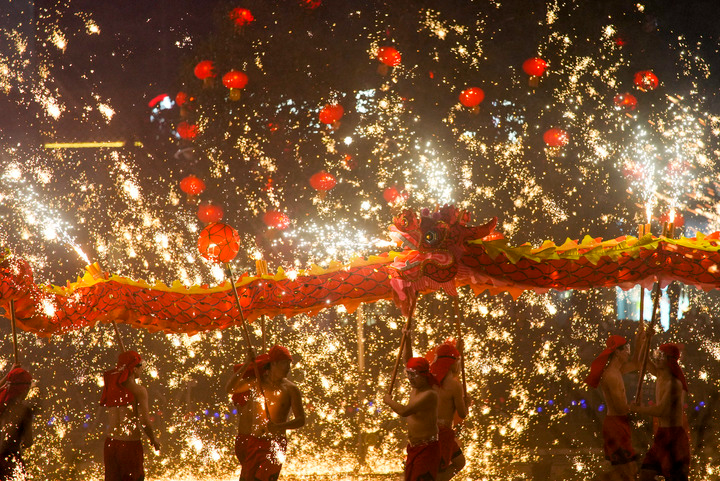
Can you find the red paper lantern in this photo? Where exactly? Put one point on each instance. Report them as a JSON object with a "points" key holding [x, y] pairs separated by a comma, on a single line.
{"points": [[389, 56], [331, 113], [208, 213], [646, 80], [535, 67], [205, 69], [235, 80], [219, 243], [241, 16], [556, 137], [276, 220], [311, 4], [187, 130], [391, 194], [181, 98], [191, 185], [626, 101], [322, 181], [472, 97]]}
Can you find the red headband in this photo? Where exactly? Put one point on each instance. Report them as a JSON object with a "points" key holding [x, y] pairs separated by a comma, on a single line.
{"points": [[128, 360], [598, 365], [421, 366], [113, 393], [445, 356], [672, 353], [279, 353]]}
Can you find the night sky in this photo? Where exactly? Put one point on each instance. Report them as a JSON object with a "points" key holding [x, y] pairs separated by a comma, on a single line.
{"points": [[143, 47]]}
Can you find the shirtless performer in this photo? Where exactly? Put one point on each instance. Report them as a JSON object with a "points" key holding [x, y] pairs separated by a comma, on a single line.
{"points": [[423, 450], [451, 400], [669, 455], [607, 371], [261, 442], [128, 417]]}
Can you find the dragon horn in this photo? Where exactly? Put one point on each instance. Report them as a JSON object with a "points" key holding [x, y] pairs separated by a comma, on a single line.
{"points": [[485, 229]]}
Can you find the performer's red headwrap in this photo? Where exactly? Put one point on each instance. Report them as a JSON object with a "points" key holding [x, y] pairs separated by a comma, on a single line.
{"points": [[445, 356], [421, 366], [17, 386], [113, 393], [598, 365], [279, 353], [672, 352]]}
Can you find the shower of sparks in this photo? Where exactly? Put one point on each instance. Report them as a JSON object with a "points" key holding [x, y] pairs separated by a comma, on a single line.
{"points": [[639, 162]]}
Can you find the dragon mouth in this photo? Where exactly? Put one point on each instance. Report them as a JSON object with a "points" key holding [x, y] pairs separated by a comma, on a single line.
{"points": [[405, 240], [417, 259]]}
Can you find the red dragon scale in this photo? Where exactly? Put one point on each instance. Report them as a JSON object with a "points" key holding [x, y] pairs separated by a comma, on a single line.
{"points": [[439, 251]]}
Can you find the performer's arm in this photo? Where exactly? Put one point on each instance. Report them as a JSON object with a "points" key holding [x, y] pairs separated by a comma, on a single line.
{"points": [[236, 383], [407, 347], [141, 397], [633, 363], [422, 402], [459, 398], [641, 342]]}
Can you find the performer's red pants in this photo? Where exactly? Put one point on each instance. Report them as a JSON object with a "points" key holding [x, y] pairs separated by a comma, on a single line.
{"points": [[449, 448], [618, 445], [123, 460], [670, 454], [422, 462], [262, 457]]}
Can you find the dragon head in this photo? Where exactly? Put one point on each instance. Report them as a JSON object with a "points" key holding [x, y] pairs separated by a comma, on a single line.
{"points": [[433, 243]]}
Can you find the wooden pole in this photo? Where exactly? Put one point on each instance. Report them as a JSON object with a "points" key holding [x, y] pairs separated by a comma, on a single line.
{"points": [[248, 341], [262, 270], [641, 233], [262, 329], [403, 340], [13, 322], [119, 338], [458, 330], [360, 324], [243, 324], [650, 332]]}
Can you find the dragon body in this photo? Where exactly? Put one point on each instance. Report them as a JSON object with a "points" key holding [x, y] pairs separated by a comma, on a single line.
{"points": [[438, 250]]}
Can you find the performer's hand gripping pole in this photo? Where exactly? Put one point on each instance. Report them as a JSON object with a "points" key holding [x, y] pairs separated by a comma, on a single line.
{"points": [[403, 340], [248, 341], [650, 329]]}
